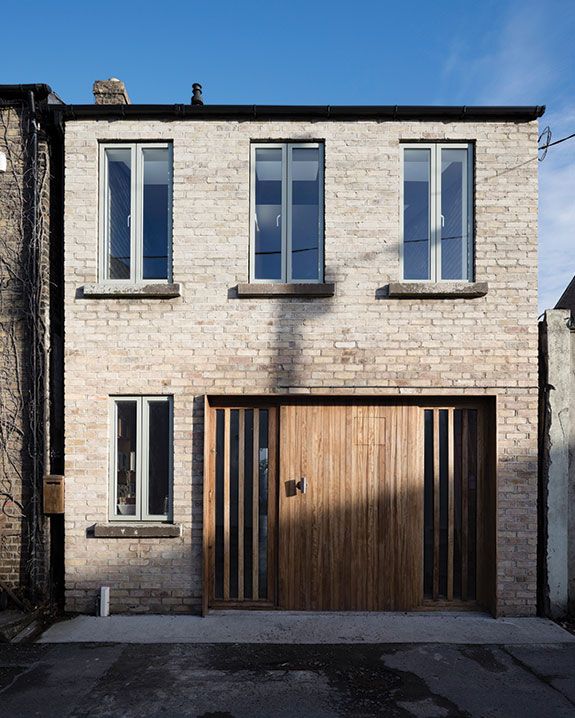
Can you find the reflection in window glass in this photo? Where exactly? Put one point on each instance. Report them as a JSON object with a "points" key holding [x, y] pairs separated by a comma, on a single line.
{"points": [[453, 214], [126, 423], [437, 212], [143, 458], [305, 208], [119, 178], [155, 213], [159, 457], [416, 214], [268, 214]]}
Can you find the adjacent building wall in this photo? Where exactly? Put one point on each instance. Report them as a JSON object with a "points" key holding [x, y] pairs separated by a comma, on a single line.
{"points": [[360, 341], [557, 344], [24, 340]]}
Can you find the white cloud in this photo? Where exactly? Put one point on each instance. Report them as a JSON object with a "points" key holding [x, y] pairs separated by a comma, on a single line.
{"points": [[508, 65]]}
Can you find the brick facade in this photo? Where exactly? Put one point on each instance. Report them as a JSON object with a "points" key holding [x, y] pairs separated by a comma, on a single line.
{"points": [[209, 341], [24, 323]]}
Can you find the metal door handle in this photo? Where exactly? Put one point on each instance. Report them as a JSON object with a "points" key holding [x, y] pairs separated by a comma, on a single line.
{"points": [[302, 484]]}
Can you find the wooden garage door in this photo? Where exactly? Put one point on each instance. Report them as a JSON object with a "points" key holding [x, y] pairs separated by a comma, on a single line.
{"points": [[350, 507]]}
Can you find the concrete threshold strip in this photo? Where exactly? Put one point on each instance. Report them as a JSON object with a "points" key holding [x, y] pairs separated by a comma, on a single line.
{"points": [[308, 628]]}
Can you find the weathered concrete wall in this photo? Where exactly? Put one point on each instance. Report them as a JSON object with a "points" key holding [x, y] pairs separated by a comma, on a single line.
{"points": [[557, 346], [209, 341]]}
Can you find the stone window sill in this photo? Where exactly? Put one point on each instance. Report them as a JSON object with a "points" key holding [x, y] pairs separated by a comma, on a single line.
{"points": [[135, 530], [437, 290], [130, 291], [272, 289]]}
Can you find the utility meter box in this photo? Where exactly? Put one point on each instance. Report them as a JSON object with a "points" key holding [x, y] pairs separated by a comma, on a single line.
{"points": [[53, 494]]}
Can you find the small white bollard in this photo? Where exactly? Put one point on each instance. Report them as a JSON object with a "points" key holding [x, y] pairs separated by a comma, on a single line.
{"points": [[105, 601]]}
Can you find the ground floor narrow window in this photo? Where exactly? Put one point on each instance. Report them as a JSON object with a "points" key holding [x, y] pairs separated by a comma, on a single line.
{"points": [[141, 458]]}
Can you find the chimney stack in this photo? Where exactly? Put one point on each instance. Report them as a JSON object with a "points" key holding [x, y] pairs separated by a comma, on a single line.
{"points": [[111, 92], [197, 96]]}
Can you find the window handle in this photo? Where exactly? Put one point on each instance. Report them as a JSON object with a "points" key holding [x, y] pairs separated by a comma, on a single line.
{"points": [[442, 220], [129, 220], [278, 220]]}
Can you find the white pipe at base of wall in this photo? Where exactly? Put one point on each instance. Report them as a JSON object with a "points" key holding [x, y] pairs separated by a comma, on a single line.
{"points": [[104, 601]]}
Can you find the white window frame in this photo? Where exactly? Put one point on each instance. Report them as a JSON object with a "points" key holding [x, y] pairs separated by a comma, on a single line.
{"points": [[136, 210], [142, 459], [286, 249], [435, 218]]}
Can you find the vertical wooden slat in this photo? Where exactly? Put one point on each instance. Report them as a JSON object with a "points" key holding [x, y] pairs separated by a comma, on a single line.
{"points": [[436, 515], [226, 504], [479, 515], [348, 489], [272, 500], [464, 499], [411, 530], [255, 507], [209, 505], [372, 499], [419, 484], [241, 468], [358, 508], [450, 502]]}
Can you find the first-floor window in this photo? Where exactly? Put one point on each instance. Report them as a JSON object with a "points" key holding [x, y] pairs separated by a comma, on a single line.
{"points": [[141, 460], [287, 212], [135, 211], [437, 213]]}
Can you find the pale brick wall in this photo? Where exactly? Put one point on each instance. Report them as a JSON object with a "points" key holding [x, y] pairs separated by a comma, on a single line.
{"points": [[207, 342]]}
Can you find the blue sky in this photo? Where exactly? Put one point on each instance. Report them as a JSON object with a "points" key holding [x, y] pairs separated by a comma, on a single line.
{"points": [[323, 52]]}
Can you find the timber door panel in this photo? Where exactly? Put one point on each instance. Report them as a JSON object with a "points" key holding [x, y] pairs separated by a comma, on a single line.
{"points": [[241, 507], [457, 501], [337, 505], [354, 539]]}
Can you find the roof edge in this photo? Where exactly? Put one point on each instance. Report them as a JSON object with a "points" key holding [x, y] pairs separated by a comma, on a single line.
{"points": [[40, 89], [295, 112], [567, 299]]}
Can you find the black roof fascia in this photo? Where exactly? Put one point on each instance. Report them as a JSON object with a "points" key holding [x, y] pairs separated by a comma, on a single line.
{"points": [[297, 112], [40, 90]]}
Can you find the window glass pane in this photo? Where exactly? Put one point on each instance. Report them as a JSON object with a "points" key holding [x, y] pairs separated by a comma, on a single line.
{"points": [[159, 457], [453, 226], [118, 212], [305, 224], [268, 216], [126, 458], [416, 224], [155, 213]]}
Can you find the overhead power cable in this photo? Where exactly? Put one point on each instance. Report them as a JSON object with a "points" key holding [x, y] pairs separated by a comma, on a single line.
{"points": [[546, 137]]}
